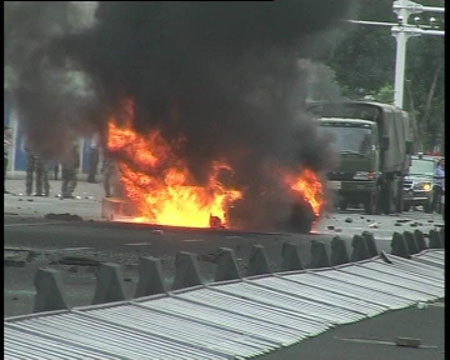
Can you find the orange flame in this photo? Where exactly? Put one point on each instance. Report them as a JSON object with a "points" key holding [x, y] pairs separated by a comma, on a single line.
{"points": [[310, 188], [160, 184]]}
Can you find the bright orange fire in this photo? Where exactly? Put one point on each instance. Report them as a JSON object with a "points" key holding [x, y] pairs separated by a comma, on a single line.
{"points": [[161, 186], [310, 188]]}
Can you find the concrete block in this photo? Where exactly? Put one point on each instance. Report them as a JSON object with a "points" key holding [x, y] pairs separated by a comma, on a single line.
{"points": [[339, 253], [290, 259], [420, 240], [227, 267], [398, 246], [258, 263], [370, 243], [360, 251], [410, 242], [435, 240], [187, 272], [319, 255], [49, 295], [109, 285], [150, 277]]}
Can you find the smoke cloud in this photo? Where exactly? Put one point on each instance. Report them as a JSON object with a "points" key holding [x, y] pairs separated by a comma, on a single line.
{"points": [[223, 74]]}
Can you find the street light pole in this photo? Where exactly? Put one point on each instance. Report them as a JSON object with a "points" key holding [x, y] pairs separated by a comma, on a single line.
{"points": [[402, 32]]}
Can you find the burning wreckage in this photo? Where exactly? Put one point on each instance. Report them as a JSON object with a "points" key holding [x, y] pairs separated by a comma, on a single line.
{"points": [[159, 188], [201, 105]]}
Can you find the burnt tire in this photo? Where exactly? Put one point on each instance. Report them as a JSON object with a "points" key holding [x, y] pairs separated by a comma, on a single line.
{"points": [[302, 218]]}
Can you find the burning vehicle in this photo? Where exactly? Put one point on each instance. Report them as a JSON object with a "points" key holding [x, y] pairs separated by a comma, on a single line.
{"points": [[160, 189], [200, 105]]}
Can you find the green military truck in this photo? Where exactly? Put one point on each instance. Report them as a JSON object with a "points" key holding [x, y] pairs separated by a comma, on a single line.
{"points": [[374, 143]]}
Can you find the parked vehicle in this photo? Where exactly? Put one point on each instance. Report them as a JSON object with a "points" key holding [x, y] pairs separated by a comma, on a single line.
{"points": [[374, 142], [418, 185]]}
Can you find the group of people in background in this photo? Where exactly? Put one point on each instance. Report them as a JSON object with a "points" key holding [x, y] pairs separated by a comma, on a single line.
{"points": [[37, 170]]}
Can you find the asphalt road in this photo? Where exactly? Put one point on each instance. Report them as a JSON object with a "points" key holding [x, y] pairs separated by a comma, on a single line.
{"points": [[49, 242], [46, 242], [374, 339]]}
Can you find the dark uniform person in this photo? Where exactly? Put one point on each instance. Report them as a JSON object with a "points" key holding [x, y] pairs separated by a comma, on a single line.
{"points": [[108, 170], [438, 189], [69, 172], [93, 159], [36, 166], [7, 143]]}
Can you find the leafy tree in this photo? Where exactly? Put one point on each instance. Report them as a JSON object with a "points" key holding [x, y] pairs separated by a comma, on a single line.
{"points": [[364, 64]]}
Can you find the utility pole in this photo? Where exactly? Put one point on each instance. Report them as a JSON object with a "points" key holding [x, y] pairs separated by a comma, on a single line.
{"points": [[402, 31]]}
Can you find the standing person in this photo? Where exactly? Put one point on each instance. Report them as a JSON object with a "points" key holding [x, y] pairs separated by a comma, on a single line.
{"points": [[42, 178], [7, 142], [93, 159], [69, 172], [55, 171], [108, 169], [36, 166], [439, 177]]}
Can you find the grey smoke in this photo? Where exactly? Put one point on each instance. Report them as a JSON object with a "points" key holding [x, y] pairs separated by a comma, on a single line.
{"points": [[230, 69]]}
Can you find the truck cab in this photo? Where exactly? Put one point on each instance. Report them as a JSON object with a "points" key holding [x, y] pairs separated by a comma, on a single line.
{"points": [[373, 142], [355, 177]]}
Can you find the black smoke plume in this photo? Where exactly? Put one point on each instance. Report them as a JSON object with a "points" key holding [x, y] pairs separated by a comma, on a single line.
{"points": [[228, 70]]}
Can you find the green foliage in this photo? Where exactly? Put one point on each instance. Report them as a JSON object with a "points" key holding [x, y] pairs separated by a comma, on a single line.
{"points": [[364, 64], [385, 94]]}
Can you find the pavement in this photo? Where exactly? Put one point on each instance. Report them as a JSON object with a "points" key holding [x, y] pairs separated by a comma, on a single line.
{"points": [[374, 339], [87, 202], [44, 243]]}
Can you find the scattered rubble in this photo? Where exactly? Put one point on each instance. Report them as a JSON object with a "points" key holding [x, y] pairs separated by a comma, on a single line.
{"points": [[349, 220], [64, 217]]}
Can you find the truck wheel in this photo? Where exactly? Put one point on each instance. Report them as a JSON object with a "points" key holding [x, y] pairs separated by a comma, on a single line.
{"points": [[343, 205], [406, 206], [427, 207]]}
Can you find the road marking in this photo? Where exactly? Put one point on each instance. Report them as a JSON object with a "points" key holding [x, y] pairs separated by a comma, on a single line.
{"points": [[192, 240], [138, 244]]}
